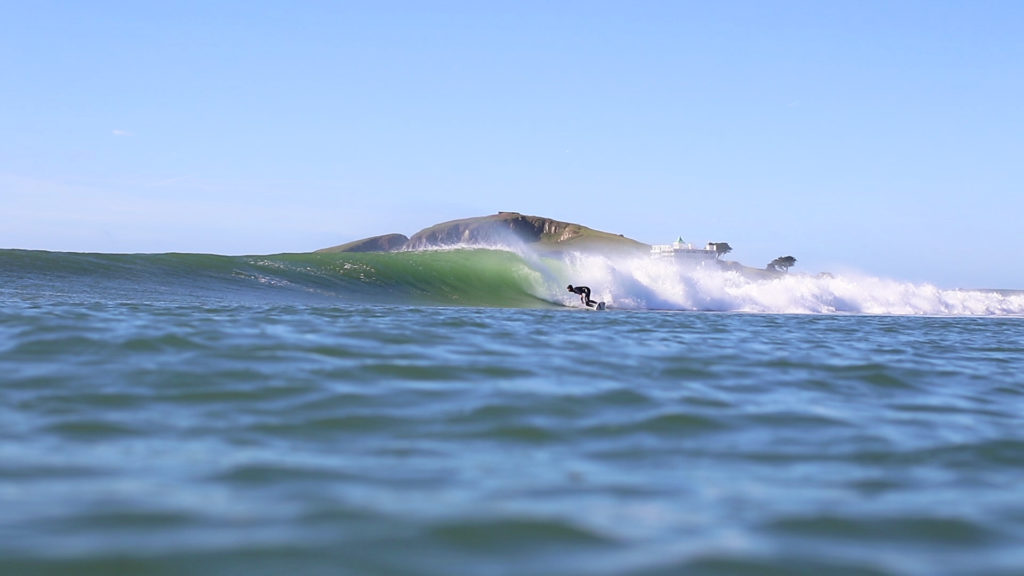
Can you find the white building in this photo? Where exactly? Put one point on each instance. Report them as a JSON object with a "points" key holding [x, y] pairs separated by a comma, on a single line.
{"points": [[682, 249]]}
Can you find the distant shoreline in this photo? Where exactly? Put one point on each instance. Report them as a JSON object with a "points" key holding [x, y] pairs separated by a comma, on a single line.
{"points": [[513, 228]]}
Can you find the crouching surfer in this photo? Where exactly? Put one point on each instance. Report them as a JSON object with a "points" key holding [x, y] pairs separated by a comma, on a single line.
{"points": [[584, 293]]}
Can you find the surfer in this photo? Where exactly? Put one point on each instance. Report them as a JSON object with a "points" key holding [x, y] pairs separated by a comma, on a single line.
{"points": [[584, 293]]}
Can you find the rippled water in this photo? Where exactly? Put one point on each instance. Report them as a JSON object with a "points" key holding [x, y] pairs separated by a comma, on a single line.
{"points": [[252, 439]]}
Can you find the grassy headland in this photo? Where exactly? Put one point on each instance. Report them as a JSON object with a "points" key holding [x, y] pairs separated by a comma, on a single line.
{"points": [[503, 228], [543, 235]]}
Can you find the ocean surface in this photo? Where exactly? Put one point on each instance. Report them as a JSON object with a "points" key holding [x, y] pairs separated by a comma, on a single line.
{"points": [[457, 413]]}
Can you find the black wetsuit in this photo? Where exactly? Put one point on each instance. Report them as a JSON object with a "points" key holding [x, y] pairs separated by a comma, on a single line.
{"points": [[584, 293]]}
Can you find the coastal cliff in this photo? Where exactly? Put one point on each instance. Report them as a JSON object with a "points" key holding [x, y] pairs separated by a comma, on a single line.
{"points": [[503, 228], [543, 235]]}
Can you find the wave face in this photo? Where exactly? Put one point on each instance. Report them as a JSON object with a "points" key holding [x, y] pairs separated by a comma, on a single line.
{"points": [[457, 277], [473, 276]]}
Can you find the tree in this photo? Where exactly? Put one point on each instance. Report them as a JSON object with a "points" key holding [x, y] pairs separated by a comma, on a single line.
{"points": [[721, 248], [781, 264]]}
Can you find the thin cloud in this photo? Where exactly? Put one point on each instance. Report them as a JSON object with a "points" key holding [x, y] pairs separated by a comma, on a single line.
{"points": [[117, 132]]}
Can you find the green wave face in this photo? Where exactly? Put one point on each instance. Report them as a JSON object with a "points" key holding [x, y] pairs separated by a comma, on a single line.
{"points": [[471, 277], [445, 277]]}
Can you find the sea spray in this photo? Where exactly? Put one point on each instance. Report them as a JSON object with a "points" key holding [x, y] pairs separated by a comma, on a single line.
{"points": [[640, 283]]}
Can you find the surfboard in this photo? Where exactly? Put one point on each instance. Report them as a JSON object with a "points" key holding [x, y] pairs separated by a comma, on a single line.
{"points": [[600, 306]]}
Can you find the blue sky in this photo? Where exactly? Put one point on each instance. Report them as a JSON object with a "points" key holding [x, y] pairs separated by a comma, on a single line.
{"points": [[881, 137]]}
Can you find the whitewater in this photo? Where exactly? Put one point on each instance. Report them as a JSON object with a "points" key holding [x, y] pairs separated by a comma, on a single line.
{"points": [[665, 284]]}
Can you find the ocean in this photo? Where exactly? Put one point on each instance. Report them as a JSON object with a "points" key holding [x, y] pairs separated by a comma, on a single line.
{"points": [[458, 413]]}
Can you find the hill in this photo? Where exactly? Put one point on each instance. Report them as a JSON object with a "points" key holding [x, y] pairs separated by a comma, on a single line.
{"points": [[384, 243], [503, 228]]}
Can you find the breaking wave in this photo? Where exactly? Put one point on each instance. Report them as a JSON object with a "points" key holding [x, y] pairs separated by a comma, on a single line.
{"points": [[660, 284], [473, 276]]}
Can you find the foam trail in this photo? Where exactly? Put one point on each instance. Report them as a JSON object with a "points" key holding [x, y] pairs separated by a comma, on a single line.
{"points": [[641, 283]]}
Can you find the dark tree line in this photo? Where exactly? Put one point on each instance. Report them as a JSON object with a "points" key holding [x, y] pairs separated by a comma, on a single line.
{"points": [[721, 248], [781, 264]]}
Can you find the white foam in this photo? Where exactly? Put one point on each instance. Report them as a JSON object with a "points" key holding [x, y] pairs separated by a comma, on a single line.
{"points": [[646, 283]]}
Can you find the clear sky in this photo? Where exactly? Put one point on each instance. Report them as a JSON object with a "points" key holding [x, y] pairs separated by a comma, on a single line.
{"points": [[883, 137]]}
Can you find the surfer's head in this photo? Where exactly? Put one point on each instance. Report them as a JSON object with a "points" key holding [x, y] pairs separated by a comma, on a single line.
{"points": [[569, 287]]}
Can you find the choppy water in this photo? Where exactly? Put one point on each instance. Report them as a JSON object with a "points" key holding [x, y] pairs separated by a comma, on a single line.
{"points": [[144, 433]]}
